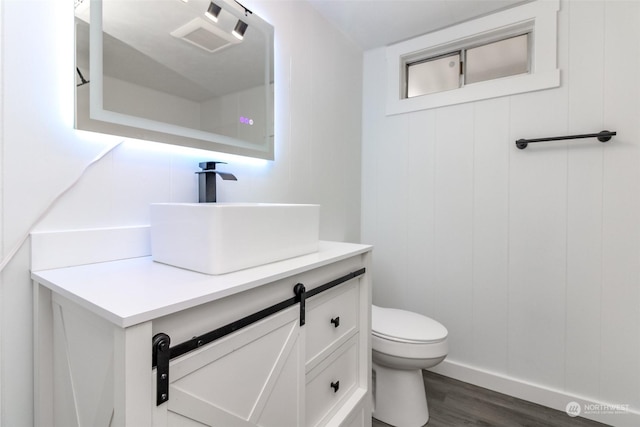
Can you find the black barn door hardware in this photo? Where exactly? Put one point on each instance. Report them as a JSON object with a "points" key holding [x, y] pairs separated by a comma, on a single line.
{"points": [[338, 281], [602, 136], [161, 356], [301, 297], [163, 353]]}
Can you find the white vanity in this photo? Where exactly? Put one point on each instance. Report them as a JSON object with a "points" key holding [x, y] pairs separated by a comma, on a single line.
{"points": [[122, 340]]}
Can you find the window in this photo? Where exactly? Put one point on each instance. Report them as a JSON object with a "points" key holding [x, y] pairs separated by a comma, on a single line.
{"points": [[433, 75], [509, 52], [501, 58]]}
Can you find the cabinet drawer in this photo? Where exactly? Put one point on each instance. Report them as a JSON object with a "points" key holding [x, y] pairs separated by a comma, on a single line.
{"points": [[357, 420], [331, 383], [331, 318]]}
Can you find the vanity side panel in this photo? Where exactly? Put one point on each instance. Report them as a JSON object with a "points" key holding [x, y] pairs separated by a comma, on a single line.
{"points": [[82, 367], [365, 338]]}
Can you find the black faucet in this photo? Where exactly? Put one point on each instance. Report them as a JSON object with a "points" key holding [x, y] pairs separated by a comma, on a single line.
{"points": [[207, 181]]}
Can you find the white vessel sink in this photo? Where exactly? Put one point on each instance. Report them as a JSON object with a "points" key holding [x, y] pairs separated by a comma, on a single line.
{"points": [[218, 238]]}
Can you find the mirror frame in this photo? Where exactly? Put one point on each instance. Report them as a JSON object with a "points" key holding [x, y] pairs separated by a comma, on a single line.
{"points": [[90, 115]]}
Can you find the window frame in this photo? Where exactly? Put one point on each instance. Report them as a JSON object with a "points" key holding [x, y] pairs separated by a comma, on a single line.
{"points": [[538, 18], [463, 61]]}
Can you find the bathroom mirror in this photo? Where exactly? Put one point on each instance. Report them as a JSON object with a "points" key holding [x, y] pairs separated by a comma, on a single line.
{"points": [[163, 70]]}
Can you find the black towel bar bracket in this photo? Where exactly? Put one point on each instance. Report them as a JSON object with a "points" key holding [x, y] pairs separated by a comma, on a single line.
{"points": [[602, 136]]}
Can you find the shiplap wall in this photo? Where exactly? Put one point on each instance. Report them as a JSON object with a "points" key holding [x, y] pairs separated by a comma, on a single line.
{"points": [[530, 258]]}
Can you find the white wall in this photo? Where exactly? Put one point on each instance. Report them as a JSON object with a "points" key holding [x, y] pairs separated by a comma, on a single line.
{"points": [[530, 258], [318, 113], [135, 100]]}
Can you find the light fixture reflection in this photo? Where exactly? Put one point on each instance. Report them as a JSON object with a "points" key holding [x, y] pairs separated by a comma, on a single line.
{"points": [[213, 11], [240, 29]]}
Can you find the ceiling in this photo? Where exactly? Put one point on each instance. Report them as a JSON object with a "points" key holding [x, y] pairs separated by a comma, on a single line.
{"points": [[376, 23]]}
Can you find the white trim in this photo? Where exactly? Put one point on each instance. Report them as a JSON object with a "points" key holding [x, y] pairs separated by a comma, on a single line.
{"points": [[536, 393], [544, 72]]}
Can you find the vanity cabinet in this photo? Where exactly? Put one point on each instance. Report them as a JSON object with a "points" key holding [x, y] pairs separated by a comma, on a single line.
{"points": [[242, 349]]}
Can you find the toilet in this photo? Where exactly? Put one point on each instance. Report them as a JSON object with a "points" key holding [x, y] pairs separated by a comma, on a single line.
{"points": [[403, 343]]}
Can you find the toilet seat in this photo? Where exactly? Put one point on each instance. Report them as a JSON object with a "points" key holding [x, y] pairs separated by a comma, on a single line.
{"points": [[405, 326], [405, 341]]}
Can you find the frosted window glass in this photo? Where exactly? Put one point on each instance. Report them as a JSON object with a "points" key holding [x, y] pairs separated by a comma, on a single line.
{"points": [[434, 75], [499, 59]]}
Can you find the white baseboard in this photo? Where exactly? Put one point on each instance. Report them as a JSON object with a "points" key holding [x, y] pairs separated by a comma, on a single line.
{"points": [[603, 412]]}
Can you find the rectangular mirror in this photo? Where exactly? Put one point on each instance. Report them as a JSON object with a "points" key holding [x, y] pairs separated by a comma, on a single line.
{"points": [[164, 71]]}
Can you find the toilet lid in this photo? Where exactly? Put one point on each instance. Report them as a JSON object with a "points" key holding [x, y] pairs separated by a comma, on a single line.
{"points": [[402, 325]]}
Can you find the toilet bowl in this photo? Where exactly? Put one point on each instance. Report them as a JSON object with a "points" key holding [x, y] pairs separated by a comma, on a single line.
{"points": [[403, 343]]}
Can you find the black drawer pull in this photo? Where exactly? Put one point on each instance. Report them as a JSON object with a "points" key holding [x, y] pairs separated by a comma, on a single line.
{"points": [[336, 321], [335, 386]]}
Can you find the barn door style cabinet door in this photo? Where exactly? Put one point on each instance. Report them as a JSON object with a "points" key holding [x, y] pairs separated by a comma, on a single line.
{"points": [[136, 343], [208, 386]]}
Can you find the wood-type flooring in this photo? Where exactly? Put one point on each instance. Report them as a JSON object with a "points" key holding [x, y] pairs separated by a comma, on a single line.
{"points": [[453, 403]]}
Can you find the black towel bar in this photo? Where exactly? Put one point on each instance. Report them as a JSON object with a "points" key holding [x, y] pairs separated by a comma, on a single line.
{"points": [[603, 136]]}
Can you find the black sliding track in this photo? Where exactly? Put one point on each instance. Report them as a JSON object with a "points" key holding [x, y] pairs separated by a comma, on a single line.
{"points": [[204, 339], [333, 283], [163, 353]]}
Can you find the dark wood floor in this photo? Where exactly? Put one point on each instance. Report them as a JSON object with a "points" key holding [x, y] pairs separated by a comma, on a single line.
{"points": [[454, 403]]}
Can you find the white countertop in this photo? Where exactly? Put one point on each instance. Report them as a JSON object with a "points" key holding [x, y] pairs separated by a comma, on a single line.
{"points": [[136, 290]]}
